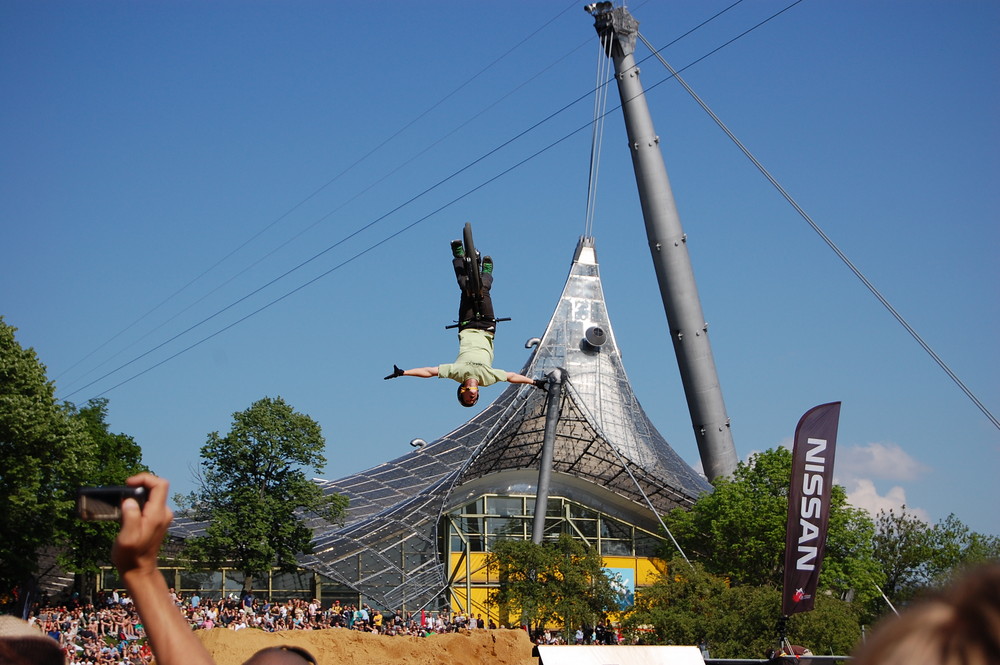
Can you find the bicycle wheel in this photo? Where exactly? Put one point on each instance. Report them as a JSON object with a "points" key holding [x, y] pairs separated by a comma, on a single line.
{"points": [[472, 262]]}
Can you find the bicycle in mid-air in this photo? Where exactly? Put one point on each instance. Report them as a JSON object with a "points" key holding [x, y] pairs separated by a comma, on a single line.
{"points": [[474, 278]]}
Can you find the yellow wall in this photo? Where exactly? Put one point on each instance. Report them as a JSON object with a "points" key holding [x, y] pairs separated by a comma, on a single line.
{"points": [[472, 575]]}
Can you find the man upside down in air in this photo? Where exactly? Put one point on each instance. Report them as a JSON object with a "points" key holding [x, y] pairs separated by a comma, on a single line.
{"points": [[473, 367]]}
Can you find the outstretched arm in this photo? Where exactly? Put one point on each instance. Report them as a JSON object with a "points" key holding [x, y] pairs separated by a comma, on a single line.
{"points": [[514, 377], [135, 555], [422, 372]]}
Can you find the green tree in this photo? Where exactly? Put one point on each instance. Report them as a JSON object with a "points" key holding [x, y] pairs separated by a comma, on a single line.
{"points": [[916, 556], [521, 567], [113, 458], [562, 581], [689, 606], [45, 452], [678, 608], [581, 591], [902, 546], [833, 628], [738, 531], [254, 495], [745, 625], [745, 622], [955, 547]]}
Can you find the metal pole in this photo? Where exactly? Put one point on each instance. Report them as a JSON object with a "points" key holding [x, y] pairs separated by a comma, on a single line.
{"points": [[552, 404], [668, 246]]}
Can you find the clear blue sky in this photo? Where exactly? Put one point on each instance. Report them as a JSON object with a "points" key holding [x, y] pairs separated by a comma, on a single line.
{"points": [[162, 161]]}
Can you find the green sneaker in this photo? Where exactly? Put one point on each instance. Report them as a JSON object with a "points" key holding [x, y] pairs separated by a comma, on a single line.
{"points": [[457, 249], [487, 265]]}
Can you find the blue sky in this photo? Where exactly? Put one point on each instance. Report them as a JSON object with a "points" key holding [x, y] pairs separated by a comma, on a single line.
{"points": [[167, 162]]}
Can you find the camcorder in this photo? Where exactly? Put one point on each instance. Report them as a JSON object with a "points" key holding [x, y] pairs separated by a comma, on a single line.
{"points": [[104, 504]]}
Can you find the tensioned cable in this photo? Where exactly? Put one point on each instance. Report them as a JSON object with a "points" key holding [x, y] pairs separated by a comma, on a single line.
{"points": [[525, 82], [359, 230], [372, 223], [597, 139], [331, 270], [348, 237], [829, 242], [600, 112], [306, 200], [583, 407], [322, 218]]}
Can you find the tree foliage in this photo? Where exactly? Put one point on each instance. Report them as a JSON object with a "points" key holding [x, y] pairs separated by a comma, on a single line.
{"points": [[112, 459], [736, 537], [254, 494], [689, 605], [44, 454], [738, 531], [679, 607], [562, 581], [916, 556], [49, 450]]}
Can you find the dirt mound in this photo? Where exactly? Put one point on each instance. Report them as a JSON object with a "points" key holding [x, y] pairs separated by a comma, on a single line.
{"points": [[338, 645]]}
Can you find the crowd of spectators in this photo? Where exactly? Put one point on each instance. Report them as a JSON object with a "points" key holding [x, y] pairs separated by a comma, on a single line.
{"points": [[129, 628], [110, 631]]}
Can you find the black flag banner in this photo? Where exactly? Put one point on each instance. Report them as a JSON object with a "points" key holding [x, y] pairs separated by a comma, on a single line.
{"points": [[809, 505]]}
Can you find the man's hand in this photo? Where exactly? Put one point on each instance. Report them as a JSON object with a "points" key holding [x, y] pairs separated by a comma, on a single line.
{"points": [[395, 372], [541, 384], [138, 543]]}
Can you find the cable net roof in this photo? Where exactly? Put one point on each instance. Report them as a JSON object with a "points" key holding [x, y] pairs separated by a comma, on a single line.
{"points": [[388, 547]]}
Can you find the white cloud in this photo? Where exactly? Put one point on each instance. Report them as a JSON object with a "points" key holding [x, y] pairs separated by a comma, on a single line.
{"points": [[863, 494], [886, 461], [858, 468]]}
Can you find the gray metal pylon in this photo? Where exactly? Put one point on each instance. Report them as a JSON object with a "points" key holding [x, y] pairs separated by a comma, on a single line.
{"points": [[667, 243], [552, 400]]}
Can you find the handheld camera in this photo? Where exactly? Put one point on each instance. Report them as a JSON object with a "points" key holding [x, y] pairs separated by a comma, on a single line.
{"points": [[104, 504]]}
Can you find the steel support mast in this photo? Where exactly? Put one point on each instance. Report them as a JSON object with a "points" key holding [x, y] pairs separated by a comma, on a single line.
{"points": [[667, 243]]}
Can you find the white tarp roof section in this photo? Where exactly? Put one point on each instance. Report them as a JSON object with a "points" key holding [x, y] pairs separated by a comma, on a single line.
{"points": [[619, 655]]}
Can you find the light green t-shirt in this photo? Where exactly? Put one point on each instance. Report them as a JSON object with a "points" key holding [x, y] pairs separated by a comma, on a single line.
{"points": [[475, 359]]}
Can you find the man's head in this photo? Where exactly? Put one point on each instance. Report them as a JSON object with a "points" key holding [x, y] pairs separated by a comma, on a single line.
{"points": [[283, 655], [468, 392]]}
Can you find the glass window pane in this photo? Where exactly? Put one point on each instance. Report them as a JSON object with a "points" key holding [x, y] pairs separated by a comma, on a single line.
{"points": [[202, 581], [576, 510], [587, 527], [493, 540], [390, 579], [511, 526], [413, 560], [505, 506], [110, 579], [297, 581], [647, 545], [196, 580], [614, 529], [234, 582], [615, 548], [471, 525]]}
